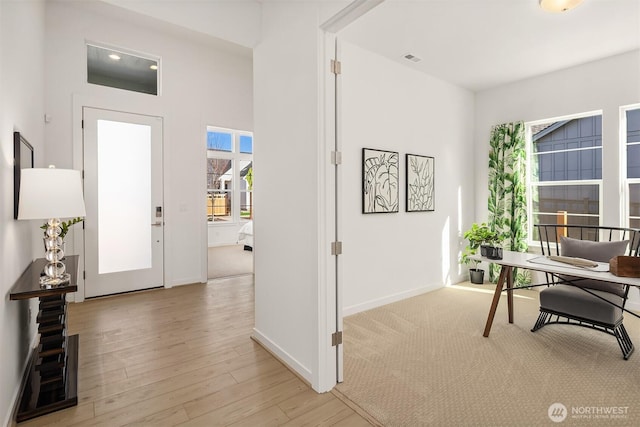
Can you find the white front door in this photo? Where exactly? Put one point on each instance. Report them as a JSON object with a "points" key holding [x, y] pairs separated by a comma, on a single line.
{"points": [[123, 195]]}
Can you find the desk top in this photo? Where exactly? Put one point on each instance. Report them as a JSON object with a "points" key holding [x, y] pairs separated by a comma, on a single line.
{"points": [[28, 285], [524, 260]]}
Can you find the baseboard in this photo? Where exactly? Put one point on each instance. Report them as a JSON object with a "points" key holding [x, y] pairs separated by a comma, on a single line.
{"points": [[368, 305], [284, 357], [183, 282], [15, 399]]}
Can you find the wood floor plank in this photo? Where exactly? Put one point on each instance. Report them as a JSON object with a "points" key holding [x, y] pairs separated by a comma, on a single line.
{"points": [[270, 417], [325, 415], [256, 369], [144, 408], [247, 406], [184, 356], [230, 395], [353, 420], [155, 389], [304, 402], [170, 417]]}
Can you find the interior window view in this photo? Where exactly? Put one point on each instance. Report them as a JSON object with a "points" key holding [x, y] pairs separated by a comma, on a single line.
{"points": [[229, 202], [566, 172], [444, 230]]}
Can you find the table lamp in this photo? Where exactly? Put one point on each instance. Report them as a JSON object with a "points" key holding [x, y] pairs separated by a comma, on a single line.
{"points": [[51, 194]]}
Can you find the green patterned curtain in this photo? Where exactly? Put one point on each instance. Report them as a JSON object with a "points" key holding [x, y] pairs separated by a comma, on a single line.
{"points": [[507, 193]]}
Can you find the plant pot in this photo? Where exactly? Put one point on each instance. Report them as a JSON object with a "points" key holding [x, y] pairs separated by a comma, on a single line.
{"points": [[491, 252], [476, 276]]}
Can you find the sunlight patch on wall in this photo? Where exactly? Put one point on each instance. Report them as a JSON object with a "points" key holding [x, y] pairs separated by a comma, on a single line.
{"points": [[446, 252]]}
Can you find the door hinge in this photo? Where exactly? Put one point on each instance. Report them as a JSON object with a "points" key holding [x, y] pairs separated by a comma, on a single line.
{"points": [[336, 67], [84, 275], [336, 157], [336, 338], [336, 248], [82, 124]]}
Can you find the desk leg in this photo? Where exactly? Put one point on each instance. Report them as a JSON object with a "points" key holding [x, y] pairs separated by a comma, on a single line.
{"points": [[504, 272], [510, 294]]}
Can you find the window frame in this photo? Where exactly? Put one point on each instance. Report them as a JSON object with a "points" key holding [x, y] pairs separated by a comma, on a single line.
{"points": [[236, 157], [529, 175], [626, 182]]}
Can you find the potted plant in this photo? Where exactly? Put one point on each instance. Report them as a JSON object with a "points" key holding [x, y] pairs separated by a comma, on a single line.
{"points": [[64, 226], [479, 235]]}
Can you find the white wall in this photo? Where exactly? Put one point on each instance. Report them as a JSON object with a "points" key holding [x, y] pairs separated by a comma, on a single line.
{"points": [[388, 106], [21, 109], [286, 215], [223, 234], [203, 83], [236, 21]]}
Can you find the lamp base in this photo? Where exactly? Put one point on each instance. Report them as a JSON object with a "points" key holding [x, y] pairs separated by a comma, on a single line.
{"points": [[47, 282]]}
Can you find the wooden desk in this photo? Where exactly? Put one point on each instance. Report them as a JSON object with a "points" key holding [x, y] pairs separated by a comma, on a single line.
{"points": [[511, 260], [51, 380]]}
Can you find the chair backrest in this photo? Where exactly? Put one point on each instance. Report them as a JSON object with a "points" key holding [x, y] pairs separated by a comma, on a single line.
{"points": [[551, 236]]}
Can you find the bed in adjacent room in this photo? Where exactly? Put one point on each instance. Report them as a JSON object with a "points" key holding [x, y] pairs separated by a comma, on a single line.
{"points": [[245, 236]]}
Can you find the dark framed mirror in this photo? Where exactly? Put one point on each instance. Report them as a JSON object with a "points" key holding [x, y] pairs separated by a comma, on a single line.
{"points": [[22, 158]]}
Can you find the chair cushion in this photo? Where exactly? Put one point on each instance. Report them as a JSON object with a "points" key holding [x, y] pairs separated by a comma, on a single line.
{"points": [[576, 302], [594, 251]]}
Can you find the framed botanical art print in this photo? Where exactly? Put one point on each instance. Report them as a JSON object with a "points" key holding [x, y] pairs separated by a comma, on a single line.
{"points": [[379, 181], [420, 183]]}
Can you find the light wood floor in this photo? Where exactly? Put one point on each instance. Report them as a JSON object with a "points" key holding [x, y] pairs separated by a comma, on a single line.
{"points": [[183, 356]]}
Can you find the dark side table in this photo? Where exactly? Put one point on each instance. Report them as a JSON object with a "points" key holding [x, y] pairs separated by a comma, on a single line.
{"points": [[51, 380]]}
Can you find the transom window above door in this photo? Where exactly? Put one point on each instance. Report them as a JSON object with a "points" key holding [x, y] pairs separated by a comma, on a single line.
{"points": [[122, 70]]}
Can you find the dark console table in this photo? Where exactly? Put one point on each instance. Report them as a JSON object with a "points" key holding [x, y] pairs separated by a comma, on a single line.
{"points": [[51, 380]]}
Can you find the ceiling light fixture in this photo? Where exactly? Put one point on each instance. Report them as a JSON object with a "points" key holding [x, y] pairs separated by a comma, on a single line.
{"points": [[153, 67], [556, 6], [114, 57]]}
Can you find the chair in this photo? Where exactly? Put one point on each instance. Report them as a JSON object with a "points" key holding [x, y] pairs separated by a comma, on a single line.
{"points": [[583, 302]]}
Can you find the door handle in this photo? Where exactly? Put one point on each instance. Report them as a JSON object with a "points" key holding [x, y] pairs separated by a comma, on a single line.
{"points": [[157, 224]]}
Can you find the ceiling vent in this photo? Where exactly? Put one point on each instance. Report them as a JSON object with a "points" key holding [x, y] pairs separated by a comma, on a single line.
{"points": [[412, 58]]}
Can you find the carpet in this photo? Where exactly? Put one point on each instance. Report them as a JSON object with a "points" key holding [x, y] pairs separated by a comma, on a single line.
{"points": [[424, 361], [228, 261]]}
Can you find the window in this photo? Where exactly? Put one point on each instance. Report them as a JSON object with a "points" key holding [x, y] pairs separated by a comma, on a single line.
{"points": [[229, 175], [121, 70], [565, 171], [632, 132]]}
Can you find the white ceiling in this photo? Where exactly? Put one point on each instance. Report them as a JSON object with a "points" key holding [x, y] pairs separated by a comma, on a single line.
{"points": [[478, 44]]}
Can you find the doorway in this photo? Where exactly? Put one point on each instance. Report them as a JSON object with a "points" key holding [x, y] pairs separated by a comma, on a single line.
{"points": [[229, 201], [124, 226]]}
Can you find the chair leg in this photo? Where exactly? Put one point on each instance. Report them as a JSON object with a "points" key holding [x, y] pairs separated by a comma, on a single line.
{"points": [[542, 320], [624, 341]]}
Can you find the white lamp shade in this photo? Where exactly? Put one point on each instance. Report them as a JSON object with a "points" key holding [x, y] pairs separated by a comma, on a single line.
{"points": [[50, 193]]}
